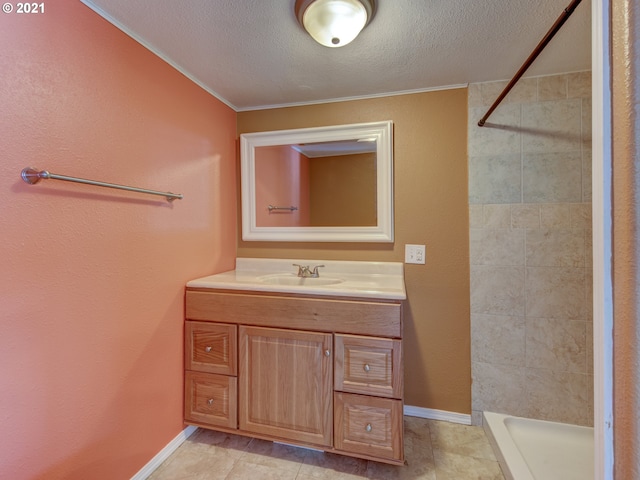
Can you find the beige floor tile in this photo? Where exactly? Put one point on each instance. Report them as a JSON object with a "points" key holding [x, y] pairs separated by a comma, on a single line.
{"points": [[192, 461], [252, 471], [417, 441], [418, 471], [235, 445], [418, 455], [462, 440], [451, 466], [275, 455], [434, 450], [331, 475], [329, 466]]}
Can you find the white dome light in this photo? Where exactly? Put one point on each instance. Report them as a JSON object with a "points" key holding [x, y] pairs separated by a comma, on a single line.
{"points": [[334, 23]]}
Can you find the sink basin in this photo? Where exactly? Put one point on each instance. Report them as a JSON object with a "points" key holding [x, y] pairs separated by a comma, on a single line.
{"points": [[291, 279]]}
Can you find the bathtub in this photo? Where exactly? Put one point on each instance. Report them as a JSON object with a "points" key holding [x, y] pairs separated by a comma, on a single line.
{"points": [[538, 450]]}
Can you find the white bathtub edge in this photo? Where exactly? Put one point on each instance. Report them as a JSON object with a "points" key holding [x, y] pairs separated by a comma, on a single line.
{"points": [[509, 457]]}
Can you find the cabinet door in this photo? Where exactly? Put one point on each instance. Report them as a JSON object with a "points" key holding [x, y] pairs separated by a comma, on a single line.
{"points": [[285, 385]]}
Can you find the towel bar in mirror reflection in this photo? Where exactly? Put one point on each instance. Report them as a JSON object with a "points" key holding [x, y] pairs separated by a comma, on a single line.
{"points": [[271, 208], [340, 178]]}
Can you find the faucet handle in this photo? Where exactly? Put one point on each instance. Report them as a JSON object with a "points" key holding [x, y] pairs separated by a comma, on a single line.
{"points": [[301, 269], [315, 270]]}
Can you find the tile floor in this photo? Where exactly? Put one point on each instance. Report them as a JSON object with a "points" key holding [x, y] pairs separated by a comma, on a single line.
{"points": [[434, 450]]}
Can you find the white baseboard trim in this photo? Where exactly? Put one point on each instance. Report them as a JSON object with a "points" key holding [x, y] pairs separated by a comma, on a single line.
{"points": [[433, 414], [163, 454]]}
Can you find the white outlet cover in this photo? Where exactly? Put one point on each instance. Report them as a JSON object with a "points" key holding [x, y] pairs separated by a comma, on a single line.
{"points": [[414, 254]]}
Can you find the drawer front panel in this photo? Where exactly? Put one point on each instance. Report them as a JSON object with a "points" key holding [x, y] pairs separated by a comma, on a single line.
{"points": [[211, 399], [368, 425], [371, 366], [211, 347], [359, 317]]}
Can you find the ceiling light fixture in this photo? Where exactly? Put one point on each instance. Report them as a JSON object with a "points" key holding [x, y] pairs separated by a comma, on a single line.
{"points": [[334, 23]]}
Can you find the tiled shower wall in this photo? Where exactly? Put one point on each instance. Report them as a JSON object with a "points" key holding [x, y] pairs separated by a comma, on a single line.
{"points": [[530, 249]]}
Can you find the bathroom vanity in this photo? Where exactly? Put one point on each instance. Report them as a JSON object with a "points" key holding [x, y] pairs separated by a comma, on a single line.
{"points": [[315, 362]]}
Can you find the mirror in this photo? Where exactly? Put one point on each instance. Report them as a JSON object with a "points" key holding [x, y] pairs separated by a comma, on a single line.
{"points": [[324, 184]]}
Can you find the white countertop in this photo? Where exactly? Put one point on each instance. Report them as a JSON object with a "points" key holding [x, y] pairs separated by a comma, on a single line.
{"points": [[382, 280]]}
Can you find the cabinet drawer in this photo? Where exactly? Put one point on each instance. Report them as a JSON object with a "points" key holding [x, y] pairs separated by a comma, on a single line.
{"points": [[211, 399], [368, 365], [357, 317], [211, 347], [368, 425]]}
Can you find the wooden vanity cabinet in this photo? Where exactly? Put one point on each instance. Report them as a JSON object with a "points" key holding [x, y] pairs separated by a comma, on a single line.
{"points": [[324, 372]]}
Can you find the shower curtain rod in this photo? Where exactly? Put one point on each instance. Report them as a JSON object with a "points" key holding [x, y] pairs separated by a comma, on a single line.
{"points": [[543, 43]]}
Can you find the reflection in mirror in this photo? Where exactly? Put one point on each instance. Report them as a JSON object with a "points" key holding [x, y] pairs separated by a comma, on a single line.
{"points": [[318, 184], [326, 184]]}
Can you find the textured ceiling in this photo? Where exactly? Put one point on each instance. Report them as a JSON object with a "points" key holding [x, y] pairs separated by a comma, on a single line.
{"points": [[253, 53]]}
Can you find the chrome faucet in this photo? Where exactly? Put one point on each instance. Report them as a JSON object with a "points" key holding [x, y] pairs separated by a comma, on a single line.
{"points": [[305, 271]]}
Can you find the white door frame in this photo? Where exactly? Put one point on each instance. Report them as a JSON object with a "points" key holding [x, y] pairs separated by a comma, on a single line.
{"points": [[602, 247]]}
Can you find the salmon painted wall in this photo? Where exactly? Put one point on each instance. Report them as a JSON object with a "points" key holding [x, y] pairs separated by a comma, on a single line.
{"points": [[282, 179], [92, 282]]}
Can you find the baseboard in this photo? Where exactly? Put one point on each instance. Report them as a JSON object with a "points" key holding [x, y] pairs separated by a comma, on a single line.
{"points": [[433, 414], [163, 454]]}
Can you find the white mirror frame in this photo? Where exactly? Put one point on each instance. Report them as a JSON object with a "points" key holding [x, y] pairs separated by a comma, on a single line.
{"points": [[383, 232]]}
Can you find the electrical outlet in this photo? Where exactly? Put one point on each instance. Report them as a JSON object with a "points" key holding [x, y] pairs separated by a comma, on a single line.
{"points": [[414, 254]]}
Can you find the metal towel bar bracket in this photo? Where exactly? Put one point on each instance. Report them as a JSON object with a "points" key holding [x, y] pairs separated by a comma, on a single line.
{"points": [[32, 176]]}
